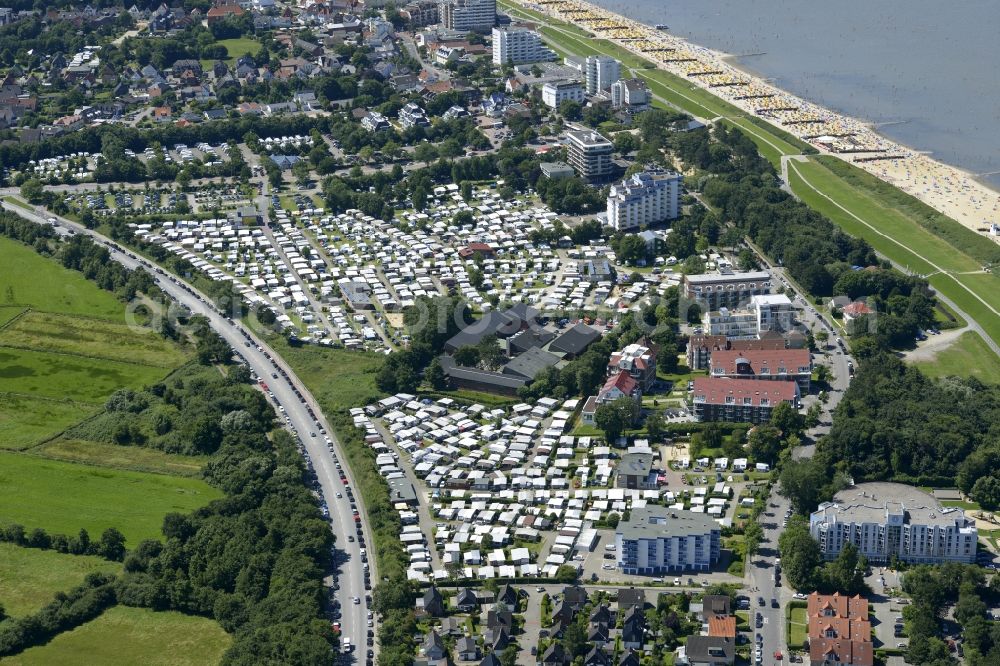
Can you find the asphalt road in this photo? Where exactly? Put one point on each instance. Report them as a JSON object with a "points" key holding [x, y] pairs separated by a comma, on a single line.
{"points": [[265, 362]]}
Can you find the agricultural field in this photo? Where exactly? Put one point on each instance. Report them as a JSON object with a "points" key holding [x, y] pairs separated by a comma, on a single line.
{"points": [[30, 577], [125, 636], [85, 336], [135, 458], [65, 347], [25, 420], [29, 279], [64, 497], [69, 377]]}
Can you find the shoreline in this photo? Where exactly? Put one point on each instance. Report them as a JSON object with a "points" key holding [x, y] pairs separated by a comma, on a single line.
{"points": [[948, 189]]}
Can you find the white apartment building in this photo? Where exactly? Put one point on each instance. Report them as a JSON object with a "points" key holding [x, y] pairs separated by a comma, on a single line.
{"points": [[645, 198], [774, 312], [556, 92], [657, 540], [765, 312], [886, 519], [468, 15], [519, 46], [630, 94], [589, 153], [601, 72]]}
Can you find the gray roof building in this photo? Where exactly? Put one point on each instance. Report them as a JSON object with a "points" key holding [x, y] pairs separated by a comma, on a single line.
{"points": [[530, 363]]}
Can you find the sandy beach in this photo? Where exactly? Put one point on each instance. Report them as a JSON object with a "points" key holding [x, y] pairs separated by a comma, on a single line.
{"points": [[945, 188]]}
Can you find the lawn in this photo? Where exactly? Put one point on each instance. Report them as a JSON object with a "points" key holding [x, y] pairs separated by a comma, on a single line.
{"points": [[30, 279], [126, 636], [69, 377], [24, 420], [136, 458], [968, 356], [236, 48], [338, 378], [70, 334], [798, 629], [975, 245], [29, 577], [17, 202], [64, 497]]}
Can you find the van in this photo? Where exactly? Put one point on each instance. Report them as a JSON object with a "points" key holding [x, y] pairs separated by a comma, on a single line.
{"points": [[346, 646]]}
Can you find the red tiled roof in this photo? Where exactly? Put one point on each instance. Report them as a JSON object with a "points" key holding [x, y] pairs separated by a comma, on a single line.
{"points": [[715, 390], [622, 381], [772, 359], [856, 308], [722, 625], [224, 10]]}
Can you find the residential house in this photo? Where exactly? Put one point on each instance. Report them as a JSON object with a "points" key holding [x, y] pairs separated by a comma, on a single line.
{"points": [[638, 361], [632, 597], [222, 12], [507, 597], [619, 386], [555, 655], [635, 471], [740, 400], [596, 657], [575, 597], [433, 647], [840, 631], [779, 365], [431, 604], [707, 651], [467, 649], [466, 600], [633, 629]]}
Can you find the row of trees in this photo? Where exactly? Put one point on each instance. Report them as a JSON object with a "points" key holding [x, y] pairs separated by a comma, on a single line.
{"points": [[111, 545]]}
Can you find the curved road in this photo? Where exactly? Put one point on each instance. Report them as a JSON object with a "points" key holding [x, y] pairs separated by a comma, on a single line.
{"points": [[265, 362]]}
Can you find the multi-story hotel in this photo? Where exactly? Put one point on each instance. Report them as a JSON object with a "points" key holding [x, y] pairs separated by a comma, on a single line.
{"points": [[886, 519]]}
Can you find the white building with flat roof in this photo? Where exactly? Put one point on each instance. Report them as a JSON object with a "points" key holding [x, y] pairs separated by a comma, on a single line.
{"points": [[765, 312], [891, 519], [656, 540], [555, 93], [630, 94], [644, 198], [518, 46], [601, 72], [468, 15], [590, 154]]}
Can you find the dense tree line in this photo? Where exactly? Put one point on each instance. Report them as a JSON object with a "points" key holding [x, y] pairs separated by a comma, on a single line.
{"points": [[429, 322], [744, 186], [253, 560], [111, 545]]}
